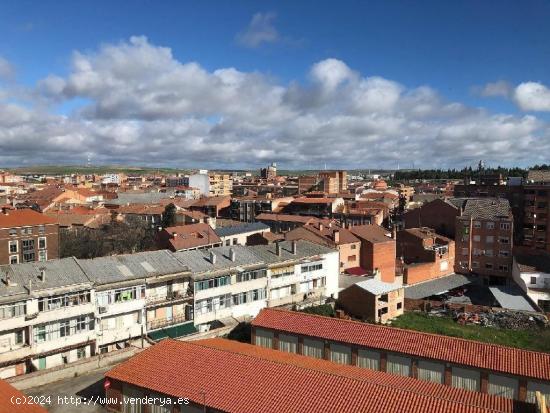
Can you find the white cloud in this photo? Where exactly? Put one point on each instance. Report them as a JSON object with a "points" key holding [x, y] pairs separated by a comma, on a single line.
{"points": [[532, 96], [500, 88], [260, 30], [137, 104]]}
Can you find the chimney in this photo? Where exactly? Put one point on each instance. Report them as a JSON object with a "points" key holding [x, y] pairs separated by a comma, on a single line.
{"points": [[320, 226], [174, 235], [213, 257], [232, 254], [5, 210], [278, 248], [42, 276], [294, 247], [336, 237]]}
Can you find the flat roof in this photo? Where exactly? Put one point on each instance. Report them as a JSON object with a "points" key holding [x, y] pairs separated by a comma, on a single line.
{"points": [[511, 297], [436, 286], [425, 345]]}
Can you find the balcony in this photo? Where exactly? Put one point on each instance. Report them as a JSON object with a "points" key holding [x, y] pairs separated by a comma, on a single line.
{"points": [[170, 296], [165, 322]]}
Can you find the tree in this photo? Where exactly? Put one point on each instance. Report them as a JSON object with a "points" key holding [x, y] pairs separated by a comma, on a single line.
{"points": [[169, 216]]}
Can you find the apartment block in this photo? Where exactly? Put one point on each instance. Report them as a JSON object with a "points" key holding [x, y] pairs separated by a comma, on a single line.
{"points": [[457, 363], [439, 214], [378, 251], [484, 238], [47, 316], [27, 236], [334, 182]]}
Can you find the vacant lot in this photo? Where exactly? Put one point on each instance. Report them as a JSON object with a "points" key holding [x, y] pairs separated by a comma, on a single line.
{"points": [[538, 340]]}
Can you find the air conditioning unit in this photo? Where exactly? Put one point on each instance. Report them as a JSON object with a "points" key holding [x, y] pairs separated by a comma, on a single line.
{"points": [[102, 310]]}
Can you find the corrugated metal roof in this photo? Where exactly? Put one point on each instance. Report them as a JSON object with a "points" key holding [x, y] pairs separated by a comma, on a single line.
{"points": [[436, 286], [105, 270], [199, 260], [241, 229], [58, 273], [304, 249], [511, 297]]}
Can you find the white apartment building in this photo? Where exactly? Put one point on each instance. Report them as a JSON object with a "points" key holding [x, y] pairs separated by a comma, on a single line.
{"points": [[122, 284], [299, 271], [227, 282], [46, 316], [57, 312]]}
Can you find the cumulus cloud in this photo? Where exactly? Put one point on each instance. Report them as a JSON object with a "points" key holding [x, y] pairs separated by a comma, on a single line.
{"points": [[532, 96], [260, 30], [500, 88], [138, 104]]}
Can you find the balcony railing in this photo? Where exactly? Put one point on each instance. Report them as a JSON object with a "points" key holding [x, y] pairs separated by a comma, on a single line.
{"points": [[164, 322], [171, 296]]}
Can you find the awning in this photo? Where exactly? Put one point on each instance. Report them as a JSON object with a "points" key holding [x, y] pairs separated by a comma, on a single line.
{"points": [[173, 331]]}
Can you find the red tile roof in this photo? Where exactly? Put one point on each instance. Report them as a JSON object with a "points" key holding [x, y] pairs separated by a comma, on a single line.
{"points": [[238, 377], [432, 346], [24, 217], [372, 233], [8, 397], [190, 236]]}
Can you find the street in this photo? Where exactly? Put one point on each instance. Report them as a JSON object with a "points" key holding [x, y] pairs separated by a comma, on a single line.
{"points": [[84, 389]]}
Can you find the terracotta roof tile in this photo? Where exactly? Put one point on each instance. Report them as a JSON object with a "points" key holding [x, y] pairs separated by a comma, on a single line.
{"points": [[7, 391], [238, 377], [432, 346], [24, 217]]}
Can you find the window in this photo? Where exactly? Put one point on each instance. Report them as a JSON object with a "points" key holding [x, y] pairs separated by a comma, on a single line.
{"points": [[42, 256], [313, 348], [251, 275], [19, 337], [41, 229], [477, 252], [533, 280], [503, 253], [340, 354], [227, 242], [504, 240], [477, 224], [212, 283], [26, 231], [490, 239], [398, 365], [352, 258], [288, 343], [368, 359], [13, 232], [475, 264], [488, 266], [477, 238], [235, 241], [505, 225], [353, 246], [488, 253], [490, 225], [503, 268], [464, 251], [42, 243], [264, 338], [39, 334], [81, 353], [59, 301], [12, 310], [14, 247], [64, 328], [14, 259], [399, 305], [312, 267]]}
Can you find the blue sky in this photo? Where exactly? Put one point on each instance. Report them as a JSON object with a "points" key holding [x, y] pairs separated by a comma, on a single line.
{"points": [[454, 48]]}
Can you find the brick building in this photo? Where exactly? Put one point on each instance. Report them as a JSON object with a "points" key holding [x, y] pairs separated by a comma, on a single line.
{"points": [[377, 251], [484, 238], [332, 236], [439, 214], [425, 254], [373, 300], [26, 236]]}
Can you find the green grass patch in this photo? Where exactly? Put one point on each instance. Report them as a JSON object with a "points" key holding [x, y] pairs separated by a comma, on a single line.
{"points": [[537, 339], [324, 310]]}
